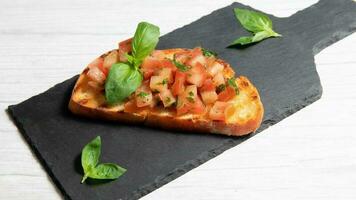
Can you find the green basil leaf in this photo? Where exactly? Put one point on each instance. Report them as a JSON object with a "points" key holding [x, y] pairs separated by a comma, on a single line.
{"points": [[90, 156], [253, 21], [260, 36], [121, 82], [107, 171], [90, 160], [257, 23], [242, 41], [144, 42]]}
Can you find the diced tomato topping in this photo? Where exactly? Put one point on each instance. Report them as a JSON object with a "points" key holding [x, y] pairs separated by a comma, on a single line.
{"points": [[110, 59], [209, 97], [158, 83], [198, 107], [207, 86], [215, 68], [219, 79], [95, 74], [126, 45], [196, 52], [101, 66], [227, 94], [178, 85], [196, 75], [143, 95], [182, 57], [166, 73], [217, 111], [197, 57], [151, 65], [190, 102], [167, 97]]}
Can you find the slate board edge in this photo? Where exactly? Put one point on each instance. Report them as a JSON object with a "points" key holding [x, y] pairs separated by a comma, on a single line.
{"points": [[206, 156]]}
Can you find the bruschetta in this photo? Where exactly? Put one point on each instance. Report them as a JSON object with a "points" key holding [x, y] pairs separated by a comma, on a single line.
{"points": [[180, 89]]}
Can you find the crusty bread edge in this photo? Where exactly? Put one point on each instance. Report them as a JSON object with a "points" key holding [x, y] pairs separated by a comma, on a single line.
{"points": [[169, 122]]}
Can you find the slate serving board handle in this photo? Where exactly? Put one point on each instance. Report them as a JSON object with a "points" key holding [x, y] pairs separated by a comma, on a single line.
{"points": [[319, 26]]}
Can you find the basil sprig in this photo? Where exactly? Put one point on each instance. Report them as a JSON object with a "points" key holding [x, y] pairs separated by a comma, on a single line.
{"points": [[257, 23], [92, 168], [125, 78]]}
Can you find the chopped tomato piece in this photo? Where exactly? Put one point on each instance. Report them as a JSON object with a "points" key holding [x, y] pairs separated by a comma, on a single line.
{"points": [[95, 74], [219, 79], [189, 102], [196, 52], [110, 59], [166, 73], [158, 83], [207, 86], [167, 97], [143, 95], [125, 47], [227, 94], [165, 63], [178, 85], [182, 57], [209, 97], [196, 75], [197, 57], [198, 107], [215, 68], [101, 66], [149, 66], [182, 106], [217, 112]]}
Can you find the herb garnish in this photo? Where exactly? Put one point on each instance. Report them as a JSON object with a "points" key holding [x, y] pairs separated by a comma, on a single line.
{"points": [[179, 65], [142, 94], [190, 97], [255, 22], [232, 83], [125, 78], [221, 88], [167, 100], [208, 53], [92, 168]]}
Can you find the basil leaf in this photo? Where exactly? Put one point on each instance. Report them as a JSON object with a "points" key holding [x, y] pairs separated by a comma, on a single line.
{"points": [[257, 23], [121, 82], [90, 156], [144, 42], [90, 160], [253, 21], [242, 41], [107, 171]]}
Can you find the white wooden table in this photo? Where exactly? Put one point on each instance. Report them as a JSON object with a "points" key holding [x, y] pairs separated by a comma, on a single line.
{"points": [[310, 155]]}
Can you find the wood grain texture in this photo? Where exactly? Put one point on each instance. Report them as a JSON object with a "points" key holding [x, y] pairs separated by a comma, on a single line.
{"points": [[300, 158]]}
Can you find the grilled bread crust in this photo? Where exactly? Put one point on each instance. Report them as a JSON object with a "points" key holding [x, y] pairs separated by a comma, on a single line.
{"points": [[89, 102]]}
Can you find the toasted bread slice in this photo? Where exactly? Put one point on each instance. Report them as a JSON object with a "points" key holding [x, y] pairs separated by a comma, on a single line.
{"points": [[242, 117]]}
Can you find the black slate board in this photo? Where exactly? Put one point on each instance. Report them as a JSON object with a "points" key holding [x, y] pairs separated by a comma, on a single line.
{"points": [[283, 70]]}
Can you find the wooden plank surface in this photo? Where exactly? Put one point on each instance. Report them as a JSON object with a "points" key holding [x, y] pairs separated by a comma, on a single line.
{"points": [[310, 155]]}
